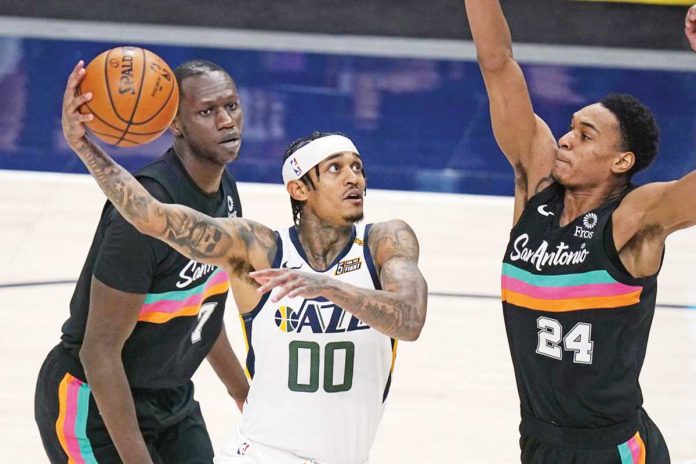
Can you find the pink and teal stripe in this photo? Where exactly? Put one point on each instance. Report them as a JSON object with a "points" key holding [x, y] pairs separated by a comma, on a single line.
{"points": [[71, 426], [566, 292], [163, 307], [633, 451]]}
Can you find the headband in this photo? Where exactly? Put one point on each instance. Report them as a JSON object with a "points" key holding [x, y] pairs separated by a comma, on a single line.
{"points": [[301, 161]]}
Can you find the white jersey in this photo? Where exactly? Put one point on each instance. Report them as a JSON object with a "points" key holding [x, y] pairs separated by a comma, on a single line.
{"points": [[320, 376]]}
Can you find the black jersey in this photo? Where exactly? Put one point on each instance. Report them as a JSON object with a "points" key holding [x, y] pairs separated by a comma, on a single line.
{"points": [[577, 322], [182, 315]]}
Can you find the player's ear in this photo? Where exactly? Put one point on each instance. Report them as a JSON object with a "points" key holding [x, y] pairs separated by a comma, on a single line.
{"points": [[175, 127], [624, 162], [297, 190]]}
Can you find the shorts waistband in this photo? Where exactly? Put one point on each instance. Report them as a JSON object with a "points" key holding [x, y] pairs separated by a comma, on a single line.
{"points": [[585, 438]]}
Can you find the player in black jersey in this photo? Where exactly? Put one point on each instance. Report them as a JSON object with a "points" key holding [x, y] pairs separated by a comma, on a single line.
{"points": [[579, 273], [118, 388]]}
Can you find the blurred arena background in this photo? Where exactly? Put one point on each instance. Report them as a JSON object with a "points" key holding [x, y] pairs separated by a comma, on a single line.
{"points": [[400, 78]]}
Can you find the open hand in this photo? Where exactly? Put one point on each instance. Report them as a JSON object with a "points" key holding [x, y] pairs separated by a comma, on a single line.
{"points": [[690, 26], [73, 121], [291, 283]]}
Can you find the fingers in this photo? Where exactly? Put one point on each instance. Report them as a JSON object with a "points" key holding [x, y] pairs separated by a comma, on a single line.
{"points": [[295, 287], [79, 100], [690, 20], [270, 284], [74, 78], [71, 100], [264, 276], [270, 272], [288, 282]]}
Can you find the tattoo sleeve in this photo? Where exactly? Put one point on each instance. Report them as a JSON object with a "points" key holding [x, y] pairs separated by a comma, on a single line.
{"points": [[398, 310], [193, 234]]}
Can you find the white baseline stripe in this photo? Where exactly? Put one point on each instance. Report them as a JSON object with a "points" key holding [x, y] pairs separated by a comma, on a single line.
{"points": [[392, 47]]}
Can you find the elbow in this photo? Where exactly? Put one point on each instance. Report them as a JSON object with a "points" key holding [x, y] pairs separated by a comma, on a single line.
{"points": [[143, 227], [495, 61], [94, 357], [86, 355], [411, 335], [414, 330]]}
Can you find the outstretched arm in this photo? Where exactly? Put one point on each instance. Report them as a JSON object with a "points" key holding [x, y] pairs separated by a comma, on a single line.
{"points": [[523, 137], [398, 310], [195, 235], [650, 213]]}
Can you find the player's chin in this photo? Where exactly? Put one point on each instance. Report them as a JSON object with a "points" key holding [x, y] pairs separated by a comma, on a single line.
{"points": [[226, 155], [561, 173], [354, 217]]}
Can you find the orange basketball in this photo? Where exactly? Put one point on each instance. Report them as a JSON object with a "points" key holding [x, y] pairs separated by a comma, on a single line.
{"points": [[135, 96]]}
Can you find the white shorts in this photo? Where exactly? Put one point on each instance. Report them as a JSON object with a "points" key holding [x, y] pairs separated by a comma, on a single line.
{"points": [[241, 450]]}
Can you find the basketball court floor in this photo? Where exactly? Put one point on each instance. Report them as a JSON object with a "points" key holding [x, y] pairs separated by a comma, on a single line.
{"points": [[453, 399]]}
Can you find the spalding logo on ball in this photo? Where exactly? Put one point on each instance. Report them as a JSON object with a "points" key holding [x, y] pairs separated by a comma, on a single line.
{"points": [[135, 96]]}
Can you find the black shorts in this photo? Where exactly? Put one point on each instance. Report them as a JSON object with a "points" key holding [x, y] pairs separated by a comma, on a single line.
{"points": [[72, 428], [646, 446]]}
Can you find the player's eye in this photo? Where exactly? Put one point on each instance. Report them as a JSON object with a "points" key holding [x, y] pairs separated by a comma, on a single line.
{"points": [[205, 112]]}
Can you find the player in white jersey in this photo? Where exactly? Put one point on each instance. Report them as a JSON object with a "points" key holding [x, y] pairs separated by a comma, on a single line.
{"points": [[322, 324]]}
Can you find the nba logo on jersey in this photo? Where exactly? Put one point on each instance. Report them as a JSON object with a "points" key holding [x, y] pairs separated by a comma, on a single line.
{"points": [[317, 316]]}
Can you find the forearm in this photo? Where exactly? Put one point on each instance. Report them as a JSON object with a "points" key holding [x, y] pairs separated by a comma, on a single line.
{"points": [[107, 380], [131, 199], [227, 367], [490, 32], [396, 315]]}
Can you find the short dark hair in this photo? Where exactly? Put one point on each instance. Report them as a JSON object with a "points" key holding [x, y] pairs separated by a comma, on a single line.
{"points": [[297, 205], [193, 68], [639, 131]]}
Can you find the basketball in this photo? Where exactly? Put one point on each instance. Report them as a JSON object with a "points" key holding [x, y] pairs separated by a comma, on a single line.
{"points": [[135, 96]]}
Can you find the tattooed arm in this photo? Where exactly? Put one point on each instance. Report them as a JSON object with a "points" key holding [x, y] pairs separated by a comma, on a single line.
{"points": [[398, 310], [230, 243]]}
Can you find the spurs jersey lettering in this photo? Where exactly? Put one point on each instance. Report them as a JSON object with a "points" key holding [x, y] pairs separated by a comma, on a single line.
{"points": [[577, 322], [320, 376]]}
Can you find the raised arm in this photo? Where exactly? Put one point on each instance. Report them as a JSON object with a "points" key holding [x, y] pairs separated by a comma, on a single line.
{"points": [[650, 213], [217, 241], [398, 310], [523, 137]]}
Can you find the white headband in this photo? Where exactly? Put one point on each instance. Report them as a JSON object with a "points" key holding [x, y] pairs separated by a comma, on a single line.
{"points": [[316, 151]]}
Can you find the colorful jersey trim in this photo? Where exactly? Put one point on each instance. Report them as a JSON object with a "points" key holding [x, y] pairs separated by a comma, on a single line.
{"points": [[566, 292], [71, 426], [163, 307], [633, 451]]}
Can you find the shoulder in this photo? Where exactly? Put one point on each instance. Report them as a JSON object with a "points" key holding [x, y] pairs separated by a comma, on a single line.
{"points": [[641, 200], [156, 189], [633, 214], [392, 238]]}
